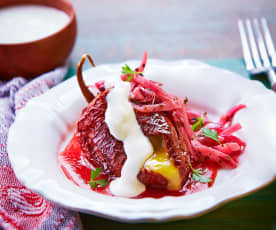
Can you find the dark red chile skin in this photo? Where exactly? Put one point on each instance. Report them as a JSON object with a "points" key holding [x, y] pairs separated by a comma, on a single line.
{"points": [[79, 173]]}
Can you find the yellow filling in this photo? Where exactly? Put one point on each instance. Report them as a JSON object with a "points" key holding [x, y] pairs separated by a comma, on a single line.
{"points": [[160, 163]]}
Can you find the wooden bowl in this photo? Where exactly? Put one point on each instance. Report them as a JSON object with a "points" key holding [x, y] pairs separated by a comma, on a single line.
{"points": [[30, 59]]}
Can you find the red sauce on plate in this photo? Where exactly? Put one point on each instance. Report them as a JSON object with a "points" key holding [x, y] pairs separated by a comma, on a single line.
{"points": [[78, 171]]}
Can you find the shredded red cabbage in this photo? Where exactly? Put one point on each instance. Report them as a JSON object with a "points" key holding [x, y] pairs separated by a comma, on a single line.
{"points": [[147, 96]]}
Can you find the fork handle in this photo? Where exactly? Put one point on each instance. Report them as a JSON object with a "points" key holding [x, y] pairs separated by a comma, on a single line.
{"points": [[272, 78]]}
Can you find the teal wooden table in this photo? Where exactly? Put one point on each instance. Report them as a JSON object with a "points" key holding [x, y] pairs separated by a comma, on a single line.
{"points": [[255, 211]]}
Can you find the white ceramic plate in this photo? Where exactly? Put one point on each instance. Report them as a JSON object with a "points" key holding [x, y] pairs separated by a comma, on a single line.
{"points": [[34, 141]]}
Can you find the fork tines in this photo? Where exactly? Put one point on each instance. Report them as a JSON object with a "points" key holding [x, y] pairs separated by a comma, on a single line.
{"points": [[258, 49]]}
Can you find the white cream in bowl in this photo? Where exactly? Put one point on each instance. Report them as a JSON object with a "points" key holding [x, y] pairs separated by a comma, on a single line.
{"points": [[26, 23]]}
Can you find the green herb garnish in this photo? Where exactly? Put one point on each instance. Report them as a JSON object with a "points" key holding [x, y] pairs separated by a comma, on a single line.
{"points": [[94, 183], [197, 175], [198, 124], [211, 133], [126, 70]]}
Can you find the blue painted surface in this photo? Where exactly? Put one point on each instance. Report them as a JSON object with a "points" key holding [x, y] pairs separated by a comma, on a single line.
{"points": [[113, 31]]}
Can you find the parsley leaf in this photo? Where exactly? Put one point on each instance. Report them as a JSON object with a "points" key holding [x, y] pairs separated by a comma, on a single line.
{"points": [[95, 173], [211, 133], [94, 183], [198, 124], [126, 70], [200, 178], [102, 182], [197, 175], [129, 78]]}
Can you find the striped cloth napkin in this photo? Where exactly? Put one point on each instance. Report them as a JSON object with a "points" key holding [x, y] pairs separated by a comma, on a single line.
{"points": [[20, 208]]}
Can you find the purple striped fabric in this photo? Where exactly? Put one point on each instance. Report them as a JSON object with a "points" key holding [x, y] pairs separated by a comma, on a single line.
{"points": [[20, 208]]}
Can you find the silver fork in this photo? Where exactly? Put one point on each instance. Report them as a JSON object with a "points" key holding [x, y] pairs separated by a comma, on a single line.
{"points": [[259, 56]]}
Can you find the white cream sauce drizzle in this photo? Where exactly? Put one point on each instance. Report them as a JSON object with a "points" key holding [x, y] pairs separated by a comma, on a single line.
{"points": [[121, 121]]}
